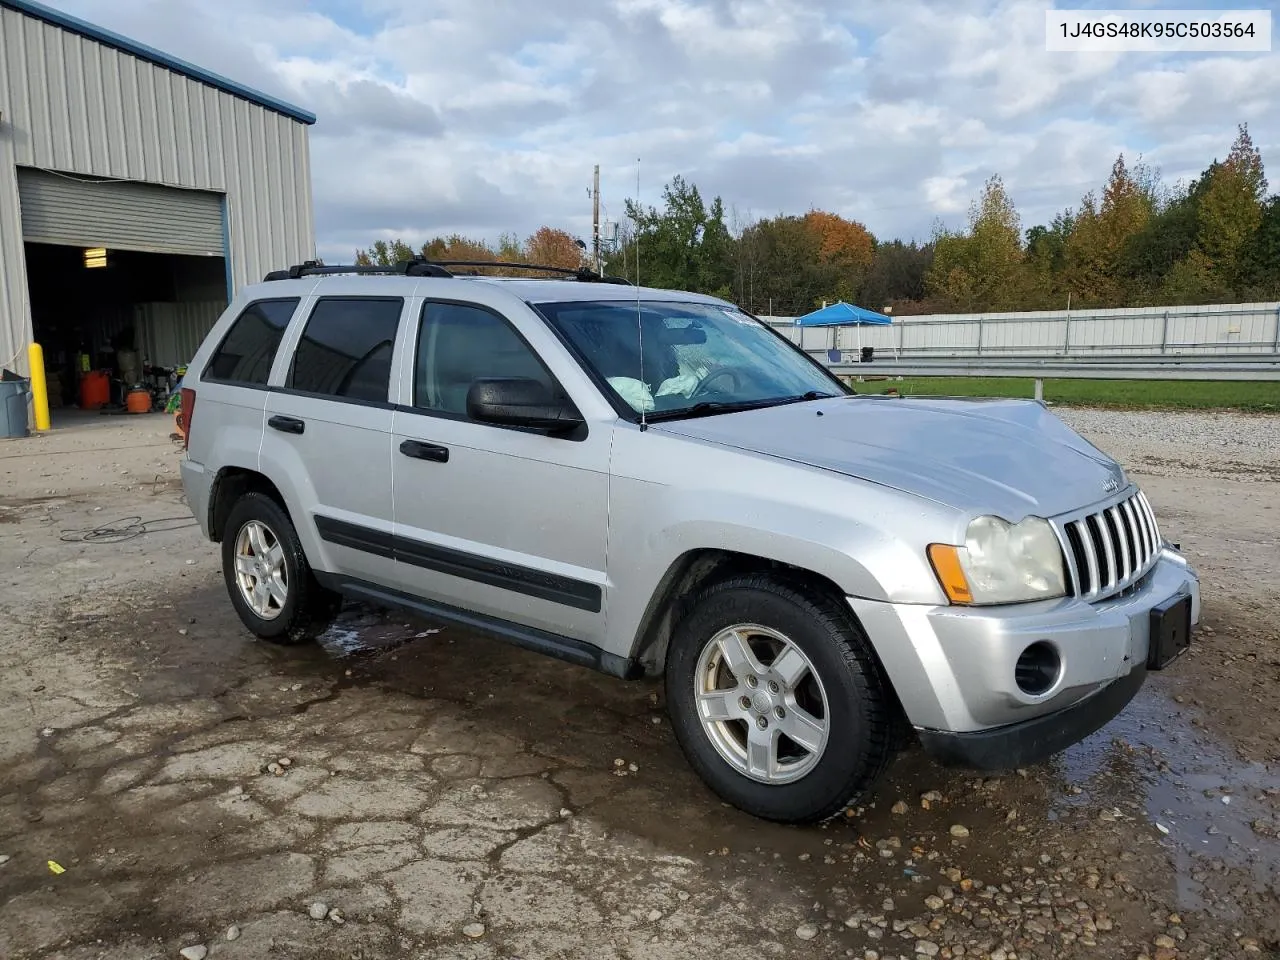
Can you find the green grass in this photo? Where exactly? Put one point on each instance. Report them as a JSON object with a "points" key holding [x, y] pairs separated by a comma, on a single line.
{"points": [[1259, 396]]}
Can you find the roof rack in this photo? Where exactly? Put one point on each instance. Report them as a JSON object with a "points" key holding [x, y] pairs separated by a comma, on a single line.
{"points": [[581, 274], [404, 268], [433, 268]]}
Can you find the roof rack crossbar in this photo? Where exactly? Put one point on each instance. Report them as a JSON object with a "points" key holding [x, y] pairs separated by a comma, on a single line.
{"points": [[404, 268], [434, 268], [581, 274]]}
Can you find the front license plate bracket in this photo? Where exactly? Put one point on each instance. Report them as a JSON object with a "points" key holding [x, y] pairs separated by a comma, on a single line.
{"points": [[1170, 633]]}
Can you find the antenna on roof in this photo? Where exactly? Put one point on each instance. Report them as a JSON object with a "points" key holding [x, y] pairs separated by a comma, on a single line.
{"points": [[644, 423]]}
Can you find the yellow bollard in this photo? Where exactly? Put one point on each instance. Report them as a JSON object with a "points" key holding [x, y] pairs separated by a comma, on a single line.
{"points": [[39, 389]]}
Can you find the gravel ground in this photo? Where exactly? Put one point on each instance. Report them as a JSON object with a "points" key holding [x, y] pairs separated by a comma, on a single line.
{"points": [[168, 786], [1238, 446], [1222, 431]]}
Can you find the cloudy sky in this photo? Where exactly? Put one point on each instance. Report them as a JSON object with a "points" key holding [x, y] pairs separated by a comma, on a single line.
{"points": [[486, 116]]}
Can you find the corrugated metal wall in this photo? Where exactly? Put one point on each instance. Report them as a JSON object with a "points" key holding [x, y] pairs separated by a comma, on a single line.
{"points": [[70, 104], [171, 332], [1214, 330], [119, 214]]}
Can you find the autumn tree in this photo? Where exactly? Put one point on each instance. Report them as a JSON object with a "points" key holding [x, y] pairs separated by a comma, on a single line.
{"points": [[1201, 245], [790, 276], [510, 249], [840, 241], [546, 245], [384, 254], [1093, 267], [1230, 210], [846, 247], [1151, 254], [457, 247], [553, 248], [982, 268]]}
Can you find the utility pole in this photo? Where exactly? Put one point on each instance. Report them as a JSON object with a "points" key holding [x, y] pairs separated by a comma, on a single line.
{"points": [[595, 222]]}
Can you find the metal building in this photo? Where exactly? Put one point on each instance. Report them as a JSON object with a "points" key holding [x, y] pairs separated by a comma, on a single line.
{"points": [[137, 192]]}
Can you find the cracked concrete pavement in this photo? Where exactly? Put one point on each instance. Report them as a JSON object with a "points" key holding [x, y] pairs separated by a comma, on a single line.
{"points": [[452, 797]]}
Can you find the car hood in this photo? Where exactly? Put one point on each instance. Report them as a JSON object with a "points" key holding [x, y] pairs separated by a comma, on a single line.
{"points": [[1009, 458]]}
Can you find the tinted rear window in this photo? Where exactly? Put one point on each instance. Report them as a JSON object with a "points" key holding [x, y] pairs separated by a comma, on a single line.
{"points": [[249, 348], [345, 349]]}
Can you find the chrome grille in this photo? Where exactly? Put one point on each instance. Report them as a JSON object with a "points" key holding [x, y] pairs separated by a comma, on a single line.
{"points": [[1111, 549]]}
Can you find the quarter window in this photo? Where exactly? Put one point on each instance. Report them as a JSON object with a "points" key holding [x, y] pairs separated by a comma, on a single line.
{"points": [[459, 344], [345, 349], [249, 348]]}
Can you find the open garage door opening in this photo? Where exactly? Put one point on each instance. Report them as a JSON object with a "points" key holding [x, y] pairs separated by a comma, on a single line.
{"points": [[124, 280], [119, 320]]}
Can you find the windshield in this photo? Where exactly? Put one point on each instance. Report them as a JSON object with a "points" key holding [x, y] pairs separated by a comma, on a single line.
{"points": [[697, 357]]}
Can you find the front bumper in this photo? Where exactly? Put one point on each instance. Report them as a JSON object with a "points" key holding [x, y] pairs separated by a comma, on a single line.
{"points": [[1021, 744], [953, 668]]}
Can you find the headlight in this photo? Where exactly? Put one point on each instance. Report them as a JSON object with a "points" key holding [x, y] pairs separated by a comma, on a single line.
{"points": [[1001, 562]]}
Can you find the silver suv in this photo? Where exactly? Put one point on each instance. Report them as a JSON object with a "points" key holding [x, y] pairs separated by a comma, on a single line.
{"points": [[649, 482]]}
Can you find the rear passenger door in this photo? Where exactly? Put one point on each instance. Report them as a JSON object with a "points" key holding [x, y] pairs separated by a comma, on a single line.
{"points": [[328, 430]]}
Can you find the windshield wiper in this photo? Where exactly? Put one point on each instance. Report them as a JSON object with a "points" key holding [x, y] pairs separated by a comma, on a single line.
{"points": [[810, 395], [708, 408]]}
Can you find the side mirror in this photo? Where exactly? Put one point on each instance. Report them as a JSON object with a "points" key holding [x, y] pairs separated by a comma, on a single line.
{"points": [[520, 402]]}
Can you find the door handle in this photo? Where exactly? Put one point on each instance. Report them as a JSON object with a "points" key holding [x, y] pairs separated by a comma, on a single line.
{"points": [[287, 424], [421, 450]]}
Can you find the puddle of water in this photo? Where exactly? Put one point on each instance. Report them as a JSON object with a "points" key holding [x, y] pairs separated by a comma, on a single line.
{"points": [[1154, 765], [360, 629]]}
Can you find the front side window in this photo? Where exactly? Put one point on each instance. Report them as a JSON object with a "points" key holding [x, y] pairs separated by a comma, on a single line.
{"points": [[249, 348], [673, 359], [346, 347], [461, 343]]}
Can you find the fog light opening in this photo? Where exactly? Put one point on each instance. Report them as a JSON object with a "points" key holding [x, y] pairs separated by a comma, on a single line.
{"points": [[1037, 669]]}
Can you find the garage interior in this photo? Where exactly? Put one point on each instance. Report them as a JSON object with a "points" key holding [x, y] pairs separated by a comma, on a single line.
{"points": [[124, 281], [137, 316]]}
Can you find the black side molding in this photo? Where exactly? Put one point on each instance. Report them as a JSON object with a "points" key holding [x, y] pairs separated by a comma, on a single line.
{"points": [[469, 566], [530, 638]]}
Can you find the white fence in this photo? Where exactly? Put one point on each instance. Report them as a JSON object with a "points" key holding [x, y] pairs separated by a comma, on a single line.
{"points": [[1251, 329]]}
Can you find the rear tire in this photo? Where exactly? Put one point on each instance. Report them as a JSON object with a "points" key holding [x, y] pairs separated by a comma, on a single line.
{"points": [[805, 670], [270, 582]]}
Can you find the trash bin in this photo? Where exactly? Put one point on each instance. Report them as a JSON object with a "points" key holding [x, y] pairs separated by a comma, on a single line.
{"points": [[14, 395], [868, 354]]}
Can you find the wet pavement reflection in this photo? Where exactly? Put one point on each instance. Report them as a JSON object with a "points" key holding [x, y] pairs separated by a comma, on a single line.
{"points": [[1155, 768]]}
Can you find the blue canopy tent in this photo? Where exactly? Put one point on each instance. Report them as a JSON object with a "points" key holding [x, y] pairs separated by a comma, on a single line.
{"points": [[841, 314]]}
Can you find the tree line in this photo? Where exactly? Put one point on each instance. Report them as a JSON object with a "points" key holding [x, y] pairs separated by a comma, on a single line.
{"points": [[1139, 242]]}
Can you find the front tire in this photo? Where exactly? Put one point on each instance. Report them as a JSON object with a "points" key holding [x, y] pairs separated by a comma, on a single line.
{"points": [[777, 700], [268, 577]]}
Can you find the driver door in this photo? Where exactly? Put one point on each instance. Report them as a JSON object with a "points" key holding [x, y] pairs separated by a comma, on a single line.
{"points": [[510, 523]]}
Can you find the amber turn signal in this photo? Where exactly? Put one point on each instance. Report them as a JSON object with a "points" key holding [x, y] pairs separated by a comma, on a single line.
{"points": [[946, 564]]}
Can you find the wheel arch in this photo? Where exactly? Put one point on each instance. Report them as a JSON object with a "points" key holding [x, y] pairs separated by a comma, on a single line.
{"points": [[232, 483], [691, 573]]}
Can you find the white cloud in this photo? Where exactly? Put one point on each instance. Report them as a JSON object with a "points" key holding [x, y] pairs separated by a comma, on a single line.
{"points": [[946, 194], [487, 116]]}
